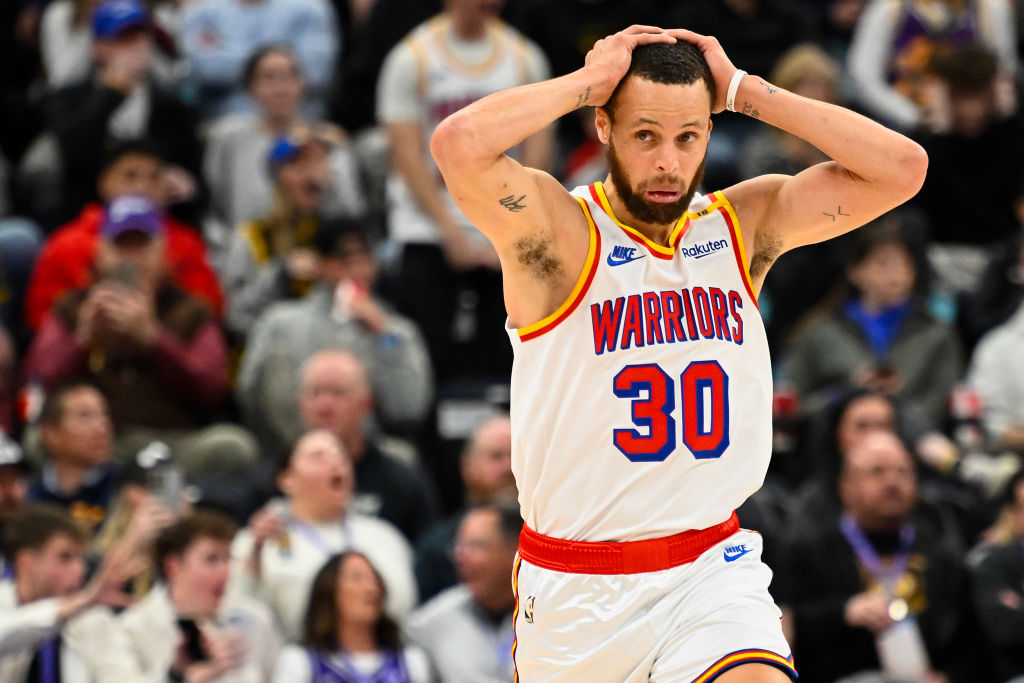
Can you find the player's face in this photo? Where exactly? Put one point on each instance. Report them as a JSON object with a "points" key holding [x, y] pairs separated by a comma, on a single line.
{"points": [[657, 146]]}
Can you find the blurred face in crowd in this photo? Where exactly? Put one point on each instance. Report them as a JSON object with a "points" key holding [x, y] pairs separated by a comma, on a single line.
{"points": [[55, 569], [84, 434], [131, 174], [134, 259], [351, 260], [878, 485], [360, 592], [319, 478], [656, 146], [475, 10], [335, 394], [276, 85], [132, 45], [13, 488], [885, 278], [483, 559], [303, 179], [1017, 510], [198, 577], [487, 464], [971, 112], [863, 416]]}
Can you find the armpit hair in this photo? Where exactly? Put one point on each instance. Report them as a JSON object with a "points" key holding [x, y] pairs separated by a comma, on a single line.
{"points": [[767, 248], [534, 254]]}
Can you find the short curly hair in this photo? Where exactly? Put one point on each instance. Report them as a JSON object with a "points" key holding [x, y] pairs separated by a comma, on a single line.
{"points": [[679, 63]]}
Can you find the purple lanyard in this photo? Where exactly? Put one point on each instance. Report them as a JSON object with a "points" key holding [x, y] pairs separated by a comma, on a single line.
{"points": [[48, 652], [318, 541], [869, 558], [392, 670]]}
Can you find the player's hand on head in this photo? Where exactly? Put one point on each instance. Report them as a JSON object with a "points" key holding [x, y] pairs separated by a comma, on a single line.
{"points": [[610, 58], [721, 66]]}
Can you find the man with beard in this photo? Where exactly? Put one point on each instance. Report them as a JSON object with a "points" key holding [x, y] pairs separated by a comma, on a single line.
{"points": [[641, 390]]}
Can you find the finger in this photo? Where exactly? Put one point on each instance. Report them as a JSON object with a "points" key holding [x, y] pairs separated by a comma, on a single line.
{"points": [[652, 38], [687, 35], [642, 28]]}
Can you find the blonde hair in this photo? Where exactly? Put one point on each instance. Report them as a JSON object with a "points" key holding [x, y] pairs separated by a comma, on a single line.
{"points": [[801, 61]]}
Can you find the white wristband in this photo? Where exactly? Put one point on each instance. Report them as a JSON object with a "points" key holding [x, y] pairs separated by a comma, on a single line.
{"points": [[734, 85]]}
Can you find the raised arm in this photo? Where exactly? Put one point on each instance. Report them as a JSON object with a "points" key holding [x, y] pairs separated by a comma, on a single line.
{"points": [[536, 226], [872, 169]]}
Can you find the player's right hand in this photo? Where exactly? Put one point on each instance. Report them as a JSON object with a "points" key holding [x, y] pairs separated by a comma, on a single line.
{"points": [[610, 58]]}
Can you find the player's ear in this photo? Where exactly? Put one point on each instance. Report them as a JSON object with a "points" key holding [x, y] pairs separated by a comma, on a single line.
{"points": [[603, 124]]}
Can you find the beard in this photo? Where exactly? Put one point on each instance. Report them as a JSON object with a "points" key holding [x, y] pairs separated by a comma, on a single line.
{"points": [[645, 211]]}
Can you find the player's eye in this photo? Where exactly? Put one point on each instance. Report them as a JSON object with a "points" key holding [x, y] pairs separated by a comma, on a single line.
{"points": [[688, 137], [644, 136]]}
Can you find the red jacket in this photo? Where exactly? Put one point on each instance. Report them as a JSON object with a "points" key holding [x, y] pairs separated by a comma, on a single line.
{"points": [[66, 261]]}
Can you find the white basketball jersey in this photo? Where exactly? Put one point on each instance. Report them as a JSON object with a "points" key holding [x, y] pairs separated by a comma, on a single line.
{"points": [[642, 406], [446, 84]]}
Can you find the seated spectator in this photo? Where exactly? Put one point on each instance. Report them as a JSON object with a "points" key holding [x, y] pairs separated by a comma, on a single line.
{"points": [[186, 628], [68, 259], [272, 258], [895, 41], [277, 556], [235, 163], [340, 312], [880, 336], [77, 440], [13, 479], [335, 395], [346, 636], [1000, 384], [121, 102], [998, 590], [218, 36], [486, 467], [467, 631], [878, 569], [155, 351], [51, 627]]}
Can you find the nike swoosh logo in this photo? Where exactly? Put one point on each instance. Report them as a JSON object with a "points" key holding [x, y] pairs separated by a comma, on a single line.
{"points": [[733, 558], [619, 262]]}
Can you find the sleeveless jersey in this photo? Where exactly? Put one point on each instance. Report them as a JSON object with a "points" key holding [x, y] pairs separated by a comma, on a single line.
{"points": [[642, 406], [446, 84]]}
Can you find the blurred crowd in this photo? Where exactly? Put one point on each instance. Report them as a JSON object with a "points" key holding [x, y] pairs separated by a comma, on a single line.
{"points": [[254, 371]]}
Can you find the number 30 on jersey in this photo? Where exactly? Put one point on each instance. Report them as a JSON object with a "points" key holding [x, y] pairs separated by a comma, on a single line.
{"points": [[704, 402]]}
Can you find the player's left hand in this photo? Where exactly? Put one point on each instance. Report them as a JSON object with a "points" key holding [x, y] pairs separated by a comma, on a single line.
{"points": [[722, 68]]}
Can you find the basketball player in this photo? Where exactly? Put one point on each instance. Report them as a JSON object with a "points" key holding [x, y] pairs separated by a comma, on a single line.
{"points": [[641, 390]]}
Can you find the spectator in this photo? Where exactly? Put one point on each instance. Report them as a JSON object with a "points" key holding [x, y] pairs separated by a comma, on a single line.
{"points": [[335, 395], [21, 240], [51, 627], [13, 479], [218, 36], [998, 590], [156, 351], [121, 103], [486, 466], [346, 636], [979, 137], [185, 628], [235, 164], [277, 556], [468, 630], [272, 258], [881, 336], [77, 438], [895, 40], [1000, 384], [68, 259], [442, 65], [340, 312], [851, 582]]}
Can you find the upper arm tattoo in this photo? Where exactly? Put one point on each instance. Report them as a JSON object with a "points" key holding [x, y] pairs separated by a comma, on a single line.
{"points": [[513, 203]]}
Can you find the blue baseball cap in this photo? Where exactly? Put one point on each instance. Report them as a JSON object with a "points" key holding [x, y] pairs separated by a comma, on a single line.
{"points": [[131, 213], [288, 146], [112, 17]]}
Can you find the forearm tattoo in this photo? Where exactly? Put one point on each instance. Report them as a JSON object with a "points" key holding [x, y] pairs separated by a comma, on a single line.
{"points": [[583, 98], [513, 203], [769, 87], [839, 212], [751, 111]]}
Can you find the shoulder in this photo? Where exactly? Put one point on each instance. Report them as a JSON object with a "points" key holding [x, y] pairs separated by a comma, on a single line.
{"points": [[292, 664], [233, 125], [418, 664], [381, 531]]}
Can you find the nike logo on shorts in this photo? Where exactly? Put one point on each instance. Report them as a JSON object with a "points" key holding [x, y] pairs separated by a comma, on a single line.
{"points": [[735, 552]]}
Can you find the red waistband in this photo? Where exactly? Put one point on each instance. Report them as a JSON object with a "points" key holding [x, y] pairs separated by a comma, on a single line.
{"points": [[633, 557]]}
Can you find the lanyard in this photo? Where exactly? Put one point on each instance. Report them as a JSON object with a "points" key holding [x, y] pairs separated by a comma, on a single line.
{"points": [[48, 652], [318, 541], [869, 558]]}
